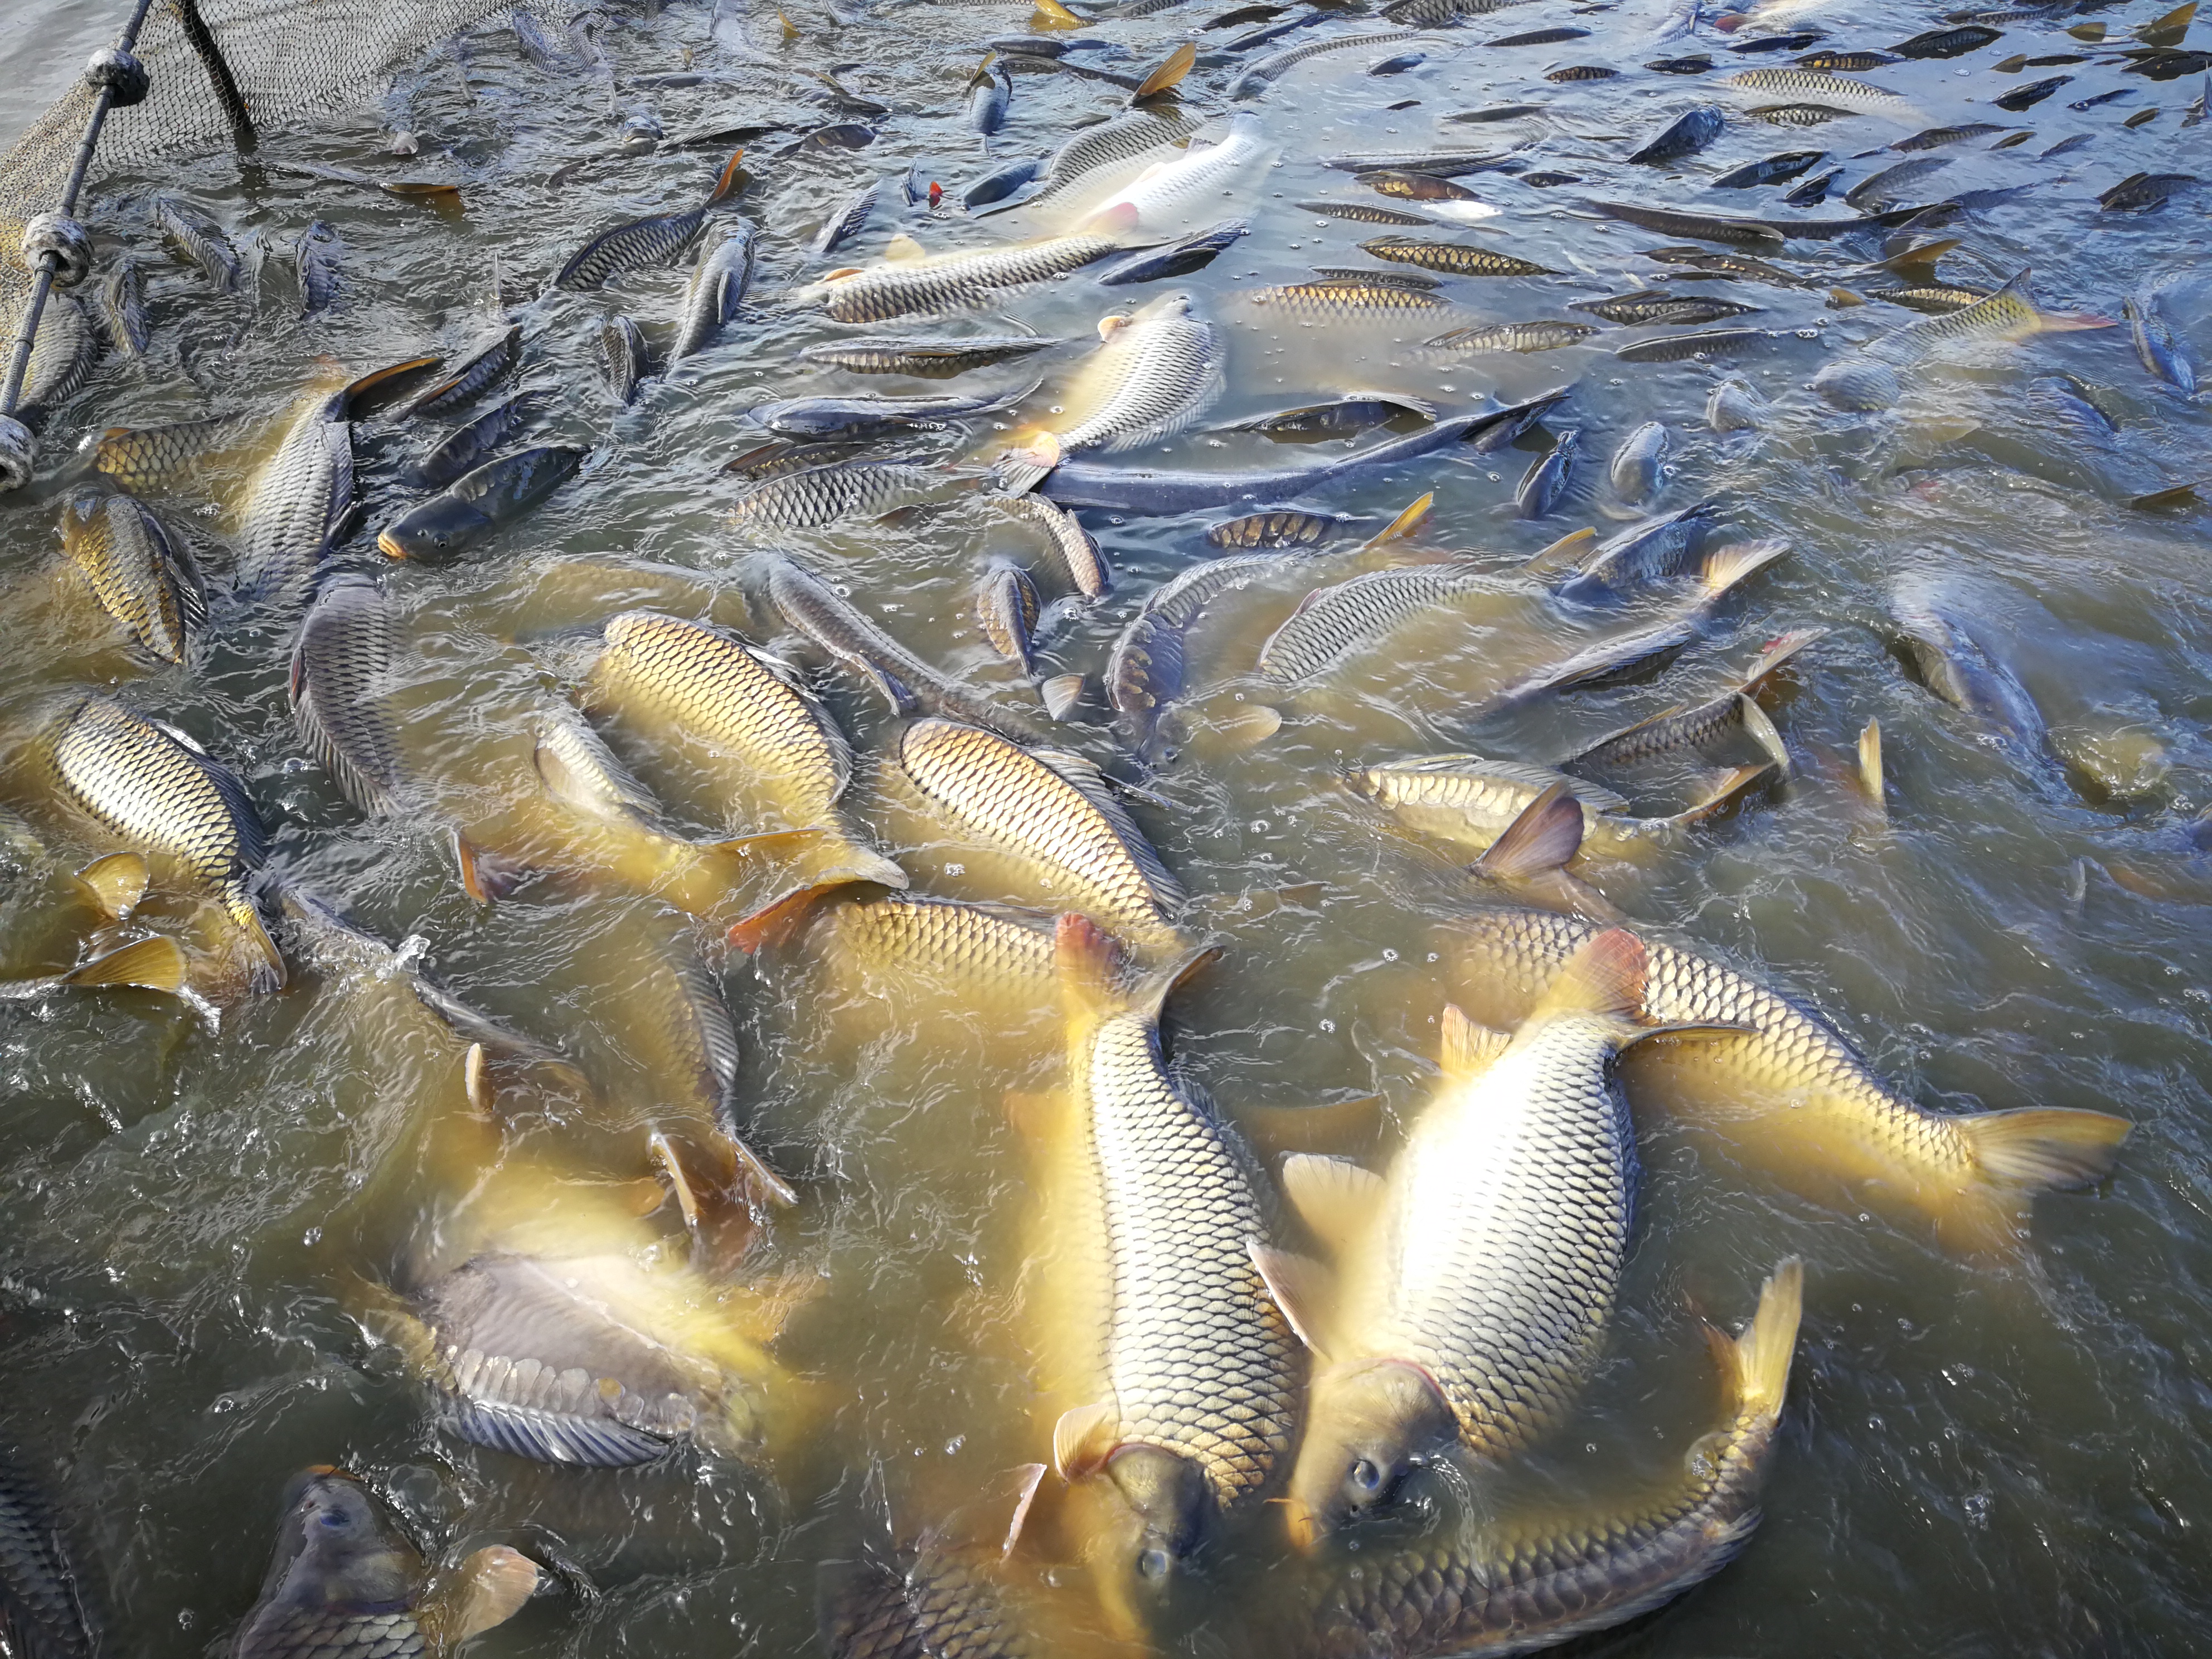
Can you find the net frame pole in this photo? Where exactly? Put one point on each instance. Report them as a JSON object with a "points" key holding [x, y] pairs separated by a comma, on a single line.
{"points": [[42, 285]]}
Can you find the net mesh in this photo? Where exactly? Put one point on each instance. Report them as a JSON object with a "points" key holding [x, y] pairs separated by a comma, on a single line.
{"points": [[288, 58]]}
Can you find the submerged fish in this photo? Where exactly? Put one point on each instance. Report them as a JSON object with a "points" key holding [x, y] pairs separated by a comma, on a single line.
{"points": [[469, 447], [1153, 1326], [153, 791], [1518, 1582], [1456, 259], [198, 241], [139, 572], [1276, 529], [1956, 666], [1547, 478], [623, 360], [720, 279], [477, 503], [920, 356], [1650, 305], [315, 263], [45, 1611], [763, 742], [123, 306], [1873, 378], [1634, 470], [644, 243], [483, 365], [1147, 672], [1075, 547], [1794, 1082], [341, 669], [1051, 812], [1332, 624]]}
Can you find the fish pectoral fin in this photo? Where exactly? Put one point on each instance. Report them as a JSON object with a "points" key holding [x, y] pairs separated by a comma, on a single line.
{"points": [[1468, 1049], [114, 885], [1764, 733], [487, 1589], [1337, 1127], [778, 921], [152, 964], [1708, 1029], [1084, 1438], [895, 691], [1869, 774], [904, 250], [1032, 1112], [485, 876], [1302, 1288], [1335, 1198], [1604, 976], [1545, 836]]}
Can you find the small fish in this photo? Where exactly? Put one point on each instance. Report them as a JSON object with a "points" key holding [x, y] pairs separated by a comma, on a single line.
{"points": [[1074, 546], [1547, 478], [720, 278], [198, 241], [482, 366], [849, 217], [1545, 335], [2143, 192], [920, 356], [1698, 227], [863, 417], [1797, 115], [1845, 63], [1878, 190], [469, 447], [1771, 170], [1634, 470], [1354, 412], [990, 91], [1177, 259], [1147, 671], [1340, 301], [1364, 213], [1659, 306], [344, 1580], [1936, 137], [1456, 259], [1573, 72], [1766, 43], [1427, 164], [140, 573], [1442, 199], [477, 503], [1729, 711], [1946, 43], [624, 360], [1336, 622], [1006, 609], [642, 244], [123, 297], [2160, 350], [341, 669], [1694, 64], [1267, 71], [1688, 134], [1812, 86], [1742, 266], [1498, 113], [1551, 37], [2034, 93], [315, 262]]}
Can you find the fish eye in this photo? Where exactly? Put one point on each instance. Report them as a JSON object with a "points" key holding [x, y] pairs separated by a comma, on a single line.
{"points": [[1152, 1562], [331, 1518], [1365, 1476]]}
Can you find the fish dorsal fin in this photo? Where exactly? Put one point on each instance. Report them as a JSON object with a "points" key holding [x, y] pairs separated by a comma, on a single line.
{"points": [[1764, 733], [1604, 976], [1334, 1197], [1302, 1288], [1725, 567], [1152, 992], [1777, 652], [1084, 1438], [476, 1081], [487, 1589], [1467, 1050], [1171, 71], [115, 884], [1409, 519], [1568, 551], [904, 250], [1717, 789], [152, 964], [1548, 833]]}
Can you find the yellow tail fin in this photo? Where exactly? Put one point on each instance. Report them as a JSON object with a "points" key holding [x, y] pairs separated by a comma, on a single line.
{"points": [[1758, 1360], [115, 884], [2039, 1147], [154, 964]]}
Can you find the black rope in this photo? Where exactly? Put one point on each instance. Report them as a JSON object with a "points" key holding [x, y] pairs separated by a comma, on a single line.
{"points": [[211, 59]]}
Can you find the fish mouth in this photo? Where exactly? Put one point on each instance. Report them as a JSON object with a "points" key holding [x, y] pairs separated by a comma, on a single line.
{"points": [[391, 547]]}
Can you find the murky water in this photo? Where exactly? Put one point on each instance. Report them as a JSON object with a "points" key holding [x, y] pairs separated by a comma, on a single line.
{"points": [[1975, 1460]]}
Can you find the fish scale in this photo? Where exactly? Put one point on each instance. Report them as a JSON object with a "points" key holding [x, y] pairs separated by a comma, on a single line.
{"points": [[818, 496], [930, 1604], [1498, 1255], [1333, 622], [1003, 793], [153, 794], [136, 569], [333, 1632], [341, 666], [42, 1609], [1197, 1357], [298, 499], [1320, 302], [986, 949], [1153, 378]]}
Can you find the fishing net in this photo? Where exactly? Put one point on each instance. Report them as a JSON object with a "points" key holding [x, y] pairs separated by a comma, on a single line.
{"points": [[221, 73]]}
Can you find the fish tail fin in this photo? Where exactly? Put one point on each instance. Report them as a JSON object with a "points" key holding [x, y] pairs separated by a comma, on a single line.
{"points": [[1604, 976], [1409, 519], [152, 964], [1756, 1364], [114, 885], [1055, 15], [1773, 655], [2039, 1147], [781, 918], [726, 185], [381, 385], [1725, 567], [1917, 264], [1725, 786]]}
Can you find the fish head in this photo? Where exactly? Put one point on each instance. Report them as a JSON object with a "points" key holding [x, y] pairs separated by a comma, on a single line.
{"points": [[1369, 1425], [1146, 1514], [437, 529], [338, 1548]]}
